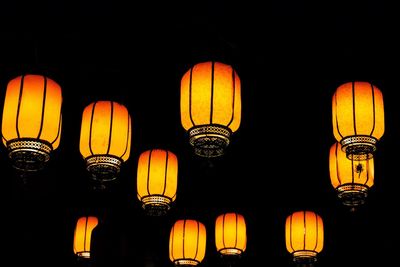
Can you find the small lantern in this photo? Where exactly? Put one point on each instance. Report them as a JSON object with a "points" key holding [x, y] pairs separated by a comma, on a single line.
{"points": [[31, 125], [351, 178], [210, 106], [83, 234], [230, 234], [187, 243], [105, 140], [358, 118], [304, 236], [157, 178]]}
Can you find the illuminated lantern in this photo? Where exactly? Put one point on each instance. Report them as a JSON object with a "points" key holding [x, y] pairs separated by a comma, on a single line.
{"points": [[157, 178], [31, 125], [358, 118], [304, 236], [230, 234], [105, 140], [351, 178], [83, 234], [187, 243], [210, 106]]}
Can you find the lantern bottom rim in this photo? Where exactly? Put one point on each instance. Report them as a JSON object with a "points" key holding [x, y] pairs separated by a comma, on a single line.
{"points": [[186, 262], [156, 205], [83, 254], [209, 140], [29, 154], [359, 147], [305, 256], [352, 194], [103, 168], [230, 252]]}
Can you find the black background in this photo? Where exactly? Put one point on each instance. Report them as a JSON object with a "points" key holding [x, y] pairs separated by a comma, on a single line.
{"points": [[290, 56]]}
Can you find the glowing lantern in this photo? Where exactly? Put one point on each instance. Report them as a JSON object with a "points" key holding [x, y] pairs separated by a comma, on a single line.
{"points": [[304, 236], [187, 243], [157, 178], [210, 106], [82, 236], [31, 125], [230, 234], [358, 118], [105, 140]]}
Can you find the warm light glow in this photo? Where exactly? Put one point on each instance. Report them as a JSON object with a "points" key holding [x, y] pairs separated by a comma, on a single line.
{"points": [[210, 95], [31, 125], [83, 235], [230, 234], [157, 178], [187, 242], [304, 235], [358, 118], [105, 138]]}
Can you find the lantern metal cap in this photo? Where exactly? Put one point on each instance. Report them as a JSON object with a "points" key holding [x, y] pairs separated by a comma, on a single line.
{"points": [[209, 140], [103, 168], [156, 205], [352, 195], [29, 154], [305, 256], [359, 147], [186, 262], [83, 254]]}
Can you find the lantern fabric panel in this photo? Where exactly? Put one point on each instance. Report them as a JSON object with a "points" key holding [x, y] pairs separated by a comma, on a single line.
{"points": [[230, 234], [83, 234]]}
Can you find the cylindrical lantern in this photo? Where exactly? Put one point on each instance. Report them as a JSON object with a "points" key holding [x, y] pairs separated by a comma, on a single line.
{"points": [[83, 235], [230, 234], [157, 178], [304, 236], [210, 106], [358, 118], [351, 178], [105, 140], [187, 243], [31, 125]]}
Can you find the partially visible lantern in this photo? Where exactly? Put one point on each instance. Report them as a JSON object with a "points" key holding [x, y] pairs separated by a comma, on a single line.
{"points": [[351, 178], [83, 235], [31, 125], [358, 118], [304, 236], [230, 234], [157, 178], [105, 140], [210, 106], [187, 243]]}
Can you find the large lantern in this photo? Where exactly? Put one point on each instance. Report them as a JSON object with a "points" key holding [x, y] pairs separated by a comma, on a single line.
{"points": [[31, 125], [157, 177], [83, 235], [187, 243], [351, 178], [230, 234], [304, 236], [105, 140], [210, 106], [358, 118]]}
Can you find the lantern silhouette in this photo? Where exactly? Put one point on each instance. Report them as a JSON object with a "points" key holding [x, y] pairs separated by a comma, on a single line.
{"points": [[83, 235], [351, 178], [210, 106], [157, 178], [358, 118], [304, 236], [230, 234], [187, 243], [31, 125], [105, 140]]}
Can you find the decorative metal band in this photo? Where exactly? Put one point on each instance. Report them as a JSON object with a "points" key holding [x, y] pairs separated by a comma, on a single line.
{"points": [[352, 194], [84, 254], [156, 205], [103, 167], [359, 147], [186, 262], [231, 251], [29, 154], [305, 256], [209, 140]]}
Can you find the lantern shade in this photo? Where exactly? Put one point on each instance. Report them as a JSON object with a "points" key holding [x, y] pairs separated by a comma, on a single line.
{"points": [[358, 118], [210, 106], [31, 125], [157, 180], [187, 242], [83, 234], [105, 138], [230, 234], [304, 235]]}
